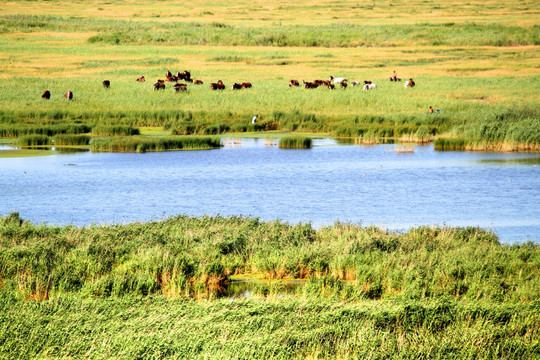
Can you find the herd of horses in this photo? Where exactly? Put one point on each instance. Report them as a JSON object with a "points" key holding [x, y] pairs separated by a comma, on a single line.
{"points": [[343, 83], [219, 85]]}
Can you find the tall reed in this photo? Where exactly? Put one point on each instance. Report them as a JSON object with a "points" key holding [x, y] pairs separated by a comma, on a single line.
{"points": [[295, 142], [444, 144], [18, 130], [172, 256], [34, 140], [115, 130], [72, 140]]}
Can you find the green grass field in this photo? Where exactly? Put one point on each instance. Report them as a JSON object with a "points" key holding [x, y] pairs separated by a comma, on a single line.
{"points": [[477, 64]]}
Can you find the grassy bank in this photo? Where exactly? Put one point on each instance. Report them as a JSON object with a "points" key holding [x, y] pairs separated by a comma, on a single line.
{"points": [[142, 290]]}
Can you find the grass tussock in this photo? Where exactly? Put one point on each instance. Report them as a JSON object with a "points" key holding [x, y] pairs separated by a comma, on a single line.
{"points": [[295, 142], [34, 140], [449, 144]]}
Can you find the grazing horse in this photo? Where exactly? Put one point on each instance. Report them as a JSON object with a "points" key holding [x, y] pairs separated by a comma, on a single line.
{"points": [[370, 86], [337, 80], [246, 85], [180, 87], [409, 83], [106, 84], [68, 95], [159, 86], [294, 83], [46, 95], [141, 79], [343, 84], [197, 82], [217, 86], [236, 86], [309, 85], [186, 75]]}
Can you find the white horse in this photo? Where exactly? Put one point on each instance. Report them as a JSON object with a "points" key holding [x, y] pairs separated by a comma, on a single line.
{"points": [[337, 80], [370, 86]]}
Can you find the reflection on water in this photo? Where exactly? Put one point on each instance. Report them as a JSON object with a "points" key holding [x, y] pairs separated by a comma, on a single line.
{"points": [[69, 150], [57, 149], [245, 288], [391, 186], [529, 161]]}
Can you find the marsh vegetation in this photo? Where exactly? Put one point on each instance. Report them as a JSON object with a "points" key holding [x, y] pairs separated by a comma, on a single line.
{"points": [[363, 285]]}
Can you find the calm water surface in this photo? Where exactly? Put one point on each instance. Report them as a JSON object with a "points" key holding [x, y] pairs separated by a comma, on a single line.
{"points": [[365, 185]]}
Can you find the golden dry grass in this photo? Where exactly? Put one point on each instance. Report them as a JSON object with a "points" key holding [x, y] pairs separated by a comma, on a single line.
{"points": [[306, 12]]}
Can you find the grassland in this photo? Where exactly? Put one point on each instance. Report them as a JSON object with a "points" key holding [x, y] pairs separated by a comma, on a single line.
{"points": [[478, 64]]}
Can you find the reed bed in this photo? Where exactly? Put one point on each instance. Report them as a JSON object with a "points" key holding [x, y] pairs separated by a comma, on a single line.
{"points": [[295, 142], [429, 292], [170, 257], [34, 140], [115, 130], [449, 144], [18, 130], [139, 144], [72, 140]]}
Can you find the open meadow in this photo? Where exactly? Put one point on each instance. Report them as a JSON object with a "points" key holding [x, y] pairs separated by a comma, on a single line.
{"points": [[157, 290], [477, 64]]}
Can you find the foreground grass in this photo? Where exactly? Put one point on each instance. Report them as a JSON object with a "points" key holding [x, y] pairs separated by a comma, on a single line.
{"points": [[267, 329], [143, 290]]}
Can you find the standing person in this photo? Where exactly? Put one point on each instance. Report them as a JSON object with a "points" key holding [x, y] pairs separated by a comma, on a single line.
{"points": [[430, 110], [254, 120]]}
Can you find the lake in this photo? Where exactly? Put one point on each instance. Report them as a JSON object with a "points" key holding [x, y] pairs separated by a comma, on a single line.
{"points": [[390, 186]]}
